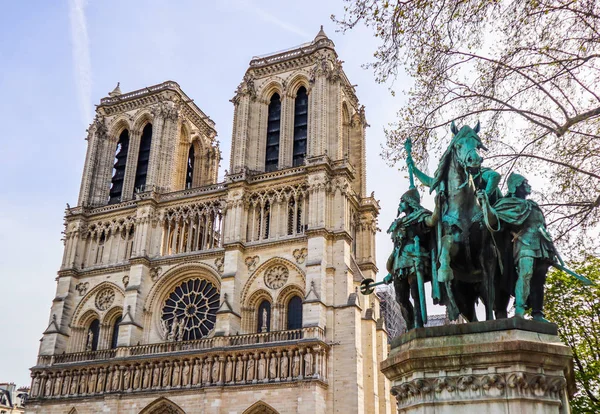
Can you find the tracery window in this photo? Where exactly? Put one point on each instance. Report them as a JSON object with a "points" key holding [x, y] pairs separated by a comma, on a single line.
{"points": [[192, 228], [190, 311], [116, 185], [264, 317], [141, 171], [294, 219], [100, 248], [93, 334], [300, 126], [273, 133], [294, 313], [115, 333], [189, 175]]}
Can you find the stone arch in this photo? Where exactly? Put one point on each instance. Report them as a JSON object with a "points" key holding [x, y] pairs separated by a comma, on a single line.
{"points": [[264, 266], [162, 405], [273, 86], [260, 407], [142, 118], [168, 282], [283, 299], [296, 80], [258, 296], [88, 301], [117, 125], [250, 310], [86, 311], [107, 325], [87, 318]]}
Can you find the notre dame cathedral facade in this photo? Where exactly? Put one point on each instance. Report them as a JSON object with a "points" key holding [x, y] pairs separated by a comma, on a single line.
{"points": [[181, 294]]}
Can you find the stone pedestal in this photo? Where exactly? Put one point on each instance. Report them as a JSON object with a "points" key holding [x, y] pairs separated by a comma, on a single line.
{"points": [[504, 366]]}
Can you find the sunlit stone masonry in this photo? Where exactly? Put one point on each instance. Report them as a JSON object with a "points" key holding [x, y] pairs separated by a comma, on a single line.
{"points": [[181, 294]]}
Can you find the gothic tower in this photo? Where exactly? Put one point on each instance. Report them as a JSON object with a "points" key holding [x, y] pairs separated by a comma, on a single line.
{"points": [[181, 294]]}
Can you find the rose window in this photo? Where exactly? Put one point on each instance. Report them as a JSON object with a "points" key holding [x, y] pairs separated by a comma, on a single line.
{"points": [[104, 299], [276, 276], [190, 311]]}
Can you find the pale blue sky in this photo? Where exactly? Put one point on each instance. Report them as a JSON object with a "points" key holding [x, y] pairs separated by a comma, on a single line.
{"points": [[48, 87]]}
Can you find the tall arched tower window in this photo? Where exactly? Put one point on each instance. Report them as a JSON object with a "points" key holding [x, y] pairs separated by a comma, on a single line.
{"points": [[116, 185], [273, 133], [300, 126], [264, 316], [141, 171], [345, 131], [189, 174], [294, 313]]}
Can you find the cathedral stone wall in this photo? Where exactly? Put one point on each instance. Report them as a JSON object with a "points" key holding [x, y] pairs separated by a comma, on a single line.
{"points": [[178, 293]]}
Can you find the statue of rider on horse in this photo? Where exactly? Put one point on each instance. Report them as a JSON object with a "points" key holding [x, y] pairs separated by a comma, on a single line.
{"points": [[476, 245]]}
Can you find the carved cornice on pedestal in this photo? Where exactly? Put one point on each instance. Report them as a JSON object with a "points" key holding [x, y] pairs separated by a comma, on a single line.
{"points": [[471, 387]]}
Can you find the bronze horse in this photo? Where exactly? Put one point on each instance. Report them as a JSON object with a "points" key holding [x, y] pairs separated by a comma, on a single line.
{"points": [[468, 265]]}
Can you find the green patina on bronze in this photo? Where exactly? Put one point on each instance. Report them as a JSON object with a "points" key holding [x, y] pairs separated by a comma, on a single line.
{"points": [[476, 245]]}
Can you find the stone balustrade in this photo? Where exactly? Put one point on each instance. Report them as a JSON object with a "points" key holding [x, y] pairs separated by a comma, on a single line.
{"points": [[275, 362], [312, 332]]}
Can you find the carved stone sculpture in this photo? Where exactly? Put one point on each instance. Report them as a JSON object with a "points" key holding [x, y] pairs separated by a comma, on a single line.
{"points": [[250, 369], [308, 364], [296, 365], [262, 368]]}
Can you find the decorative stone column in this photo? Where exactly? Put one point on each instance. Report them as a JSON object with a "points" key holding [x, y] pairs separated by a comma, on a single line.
{"points": [[504, 366]]}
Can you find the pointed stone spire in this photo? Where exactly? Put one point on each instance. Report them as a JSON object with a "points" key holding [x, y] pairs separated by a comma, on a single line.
{"points": [[320, 35], [116, 91]]}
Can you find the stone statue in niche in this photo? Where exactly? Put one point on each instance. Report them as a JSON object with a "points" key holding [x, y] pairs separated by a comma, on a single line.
{"points": [[196, 372], [74, 385], [215, 370], [136, 378], [57, 384], [206, 371], [48, 388], [156, 376], [308, 364], [284, 366], [115, 379], [166, 377], [185, 374], [239, 369], [250, 368], [65, 385], [273, 366], [90, 341], [265, 316], [176, 372], [296, 364], [262, 368], [146, 380], [229, 370], [126, 379], [92, 382]]}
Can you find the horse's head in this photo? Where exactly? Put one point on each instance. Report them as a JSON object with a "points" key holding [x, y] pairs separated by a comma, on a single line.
{"points": [[466, 144]]}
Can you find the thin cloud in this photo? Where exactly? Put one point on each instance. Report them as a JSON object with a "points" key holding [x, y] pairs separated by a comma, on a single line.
{"points": [[81, 57], [270, 18]]}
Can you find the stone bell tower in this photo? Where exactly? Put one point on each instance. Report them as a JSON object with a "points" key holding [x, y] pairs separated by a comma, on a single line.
{"points": [[182, 294]]}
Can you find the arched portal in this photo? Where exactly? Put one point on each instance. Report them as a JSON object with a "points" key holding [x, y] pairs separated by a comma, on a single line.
{"points": [[162, 406], [260, 407]]}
